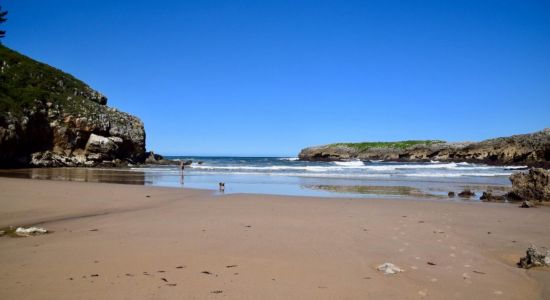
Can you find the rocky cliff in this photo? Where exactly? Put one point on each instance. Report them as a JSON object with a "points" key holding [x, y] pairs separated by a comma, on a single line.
{"points": [[48, 118], [524, 149]]}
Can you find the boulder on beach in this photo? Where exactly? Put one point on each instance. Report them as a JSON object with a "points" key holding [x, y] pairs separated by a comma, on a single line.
{"points": [[466, 193], [533, 185], [535, 258]]}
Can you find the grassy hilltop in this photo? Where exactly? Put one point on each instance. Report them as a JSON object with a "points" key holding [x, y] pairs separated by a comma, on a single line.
{"points": [[364, 146], [24, 80]]}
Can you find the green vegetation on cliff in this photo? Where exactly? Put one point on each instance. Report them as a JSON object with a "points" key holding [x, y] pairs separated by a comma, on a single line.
{"points": [[24, 80], [49, 118], [396, 145]]}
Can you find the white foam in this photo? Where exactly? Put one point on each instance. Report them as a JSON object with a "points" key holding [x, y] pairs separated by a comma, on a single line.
{"points": [[352, 163], [455, 174], [345, 169], [289, 158], [307, 175], [268, 168]]}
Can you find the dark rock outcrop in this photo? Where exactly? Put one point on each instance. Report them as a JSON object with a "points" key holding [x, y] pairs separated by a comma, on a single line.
{"points": [[156, 159], [489, 197], [524, 149], [48, 118], [533, 185]]}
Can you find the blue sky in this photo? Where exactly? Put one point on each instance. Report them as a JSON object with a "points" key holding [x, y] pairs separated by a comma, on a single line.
{"points": [[271, 77]]}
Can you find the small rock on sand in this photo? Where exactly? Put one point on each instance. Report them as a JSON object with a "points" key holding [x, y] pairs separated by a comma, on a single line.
{"points": [[21, 231], [527, 204], [389, 268]]}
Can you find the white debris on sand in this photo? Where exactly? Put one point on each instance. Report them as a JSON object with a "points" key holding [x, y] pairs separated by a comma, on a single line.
{"points": [[389, 268], [21, 231]]}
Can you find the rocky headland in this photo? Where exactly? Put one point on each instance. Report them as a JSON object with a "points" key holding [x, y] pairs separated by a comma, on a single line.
{"points": [[530, 186], [525, 149], [48, 118]]}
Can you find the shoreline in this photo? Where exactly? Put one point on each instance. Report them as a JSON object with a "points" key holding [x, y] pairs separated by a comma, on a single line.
{"points": [[260, 246], [362, 184]]}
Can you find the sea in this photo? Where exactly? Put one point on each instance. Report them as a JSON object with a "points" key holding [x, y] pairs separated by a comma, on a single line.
{"points": [[290, 176]]}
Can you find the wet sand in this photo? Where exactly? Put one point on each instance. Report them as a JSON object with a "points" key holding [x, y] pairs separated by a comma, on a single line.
{"points": [[137, 242]]}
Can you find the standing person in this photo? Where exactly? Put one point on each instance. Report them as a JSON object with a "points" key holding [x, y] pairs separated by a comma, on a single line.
{"points": [[182, 167]]}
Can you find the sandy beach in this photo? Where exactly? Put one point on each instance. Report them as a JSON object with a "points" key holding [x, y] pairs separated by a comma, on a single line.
{"points": [[113, 241]]}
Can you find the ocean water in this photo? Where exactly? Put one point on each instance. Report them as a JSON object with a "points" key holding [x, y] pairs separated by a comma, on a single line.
{"points": [[289, 176]]}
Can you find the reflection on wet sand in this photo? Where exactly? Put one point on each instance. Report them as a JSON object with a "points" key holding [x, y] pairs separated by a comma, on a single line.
{"points": [[267, 184], [80, 174], [372, 190]]}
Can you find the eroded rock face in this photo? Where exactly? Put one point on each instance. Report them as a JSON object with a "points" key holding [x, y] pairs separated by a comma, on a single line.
{"points": [[105, 134], [60, 121], [524, 149], [533, 185], [103, 145]]}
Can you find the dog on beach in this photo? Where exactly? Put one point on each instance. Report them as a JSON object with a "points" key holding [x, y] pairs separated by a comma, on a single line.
{"points": [[222, 187]]}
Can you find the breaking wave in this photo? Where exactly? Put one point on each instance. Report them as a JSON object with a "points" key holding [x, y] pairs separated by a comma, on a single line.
{"points": [[291, 166]]}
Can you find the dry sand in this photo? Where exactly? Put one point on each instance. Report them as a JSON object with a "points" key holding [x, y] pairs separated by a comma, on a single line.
{"points": [[113, 242]]}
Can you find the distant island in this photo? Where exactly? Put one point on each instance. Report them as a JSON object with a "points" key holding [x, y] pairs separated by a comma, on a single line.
{"points": [[525, 149], [48, 118]]}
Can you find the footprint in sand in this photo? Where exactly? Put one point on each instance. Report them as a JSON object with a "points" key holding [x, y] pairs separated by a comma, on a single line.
{"points": [[497, 292], [423, 293]]}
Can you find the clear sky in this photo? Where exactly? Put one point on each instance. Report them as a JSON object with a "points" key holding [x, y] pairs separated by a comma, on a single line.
{"points": [[270, 77]]}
